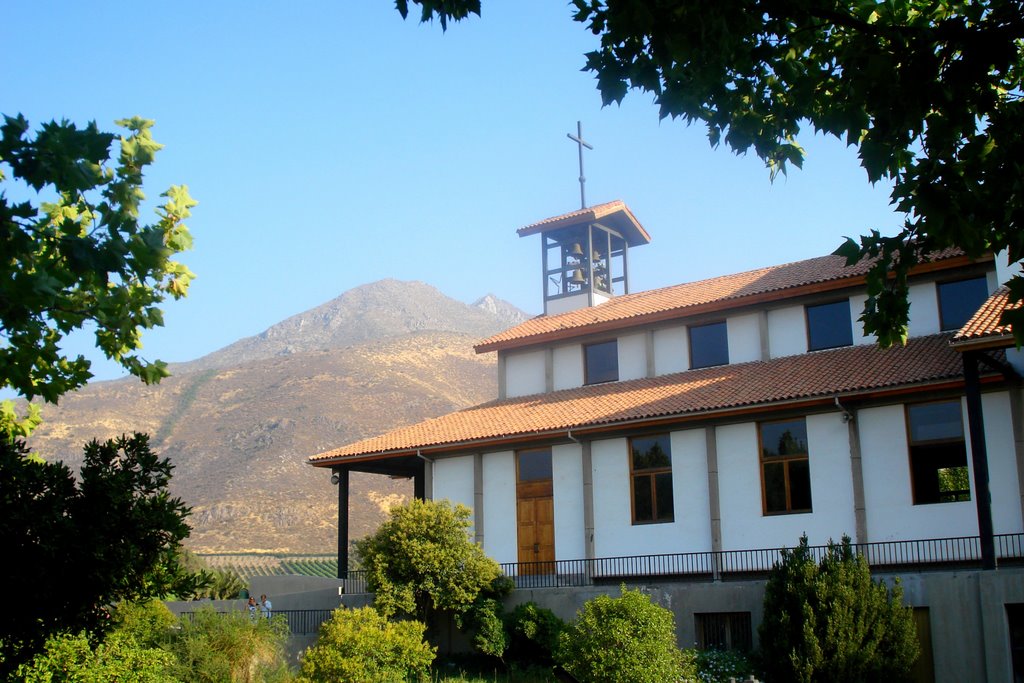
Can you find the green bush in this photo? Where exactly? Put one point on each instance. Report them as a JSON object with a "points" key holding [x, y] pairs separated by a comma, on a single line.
{"points": [[627, 639], [422, 558], [219, 647], [484, 620], [67, 658], [532, 634], [362, 645], [148, 622], [829, 621]]}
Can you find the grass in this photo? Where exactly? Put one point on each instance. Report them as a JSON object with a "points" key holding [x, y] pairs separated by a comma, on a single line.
{"points": [[478, 670]]}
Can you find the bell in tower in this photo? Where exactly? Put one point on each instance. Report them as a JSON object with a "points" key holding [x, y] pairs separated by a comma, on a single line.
{"points": [[584, 255]]}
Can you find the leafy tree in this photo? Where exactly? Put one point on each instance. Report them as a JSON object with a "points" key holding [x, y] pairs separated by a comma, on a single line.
{"points": [[627, 639], [79, 257], [362, 645], [73, 547], [930, 92], [422, 559], [829, 621]]}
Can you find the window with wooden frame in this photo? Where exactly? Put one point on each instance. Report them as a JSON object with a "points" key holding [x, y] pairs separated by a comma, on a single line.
{"points": [[938, 453], [959, 300], [829, 326], [785, 467], [709, 345], [601, 362], [650, 473]]}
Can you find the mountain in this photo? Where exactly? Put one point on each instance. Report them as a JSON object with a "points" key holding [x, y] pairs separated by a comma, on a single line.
{"points": [[239, 423]]}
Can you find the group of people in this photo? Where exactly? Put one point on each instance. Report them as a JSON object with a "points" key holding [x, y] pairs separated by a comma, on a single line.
{"points": [[262, 607]]}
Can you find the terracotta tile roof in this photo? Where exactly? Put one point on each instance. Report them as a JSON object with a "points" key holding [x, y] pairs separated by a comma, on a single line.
{"points": [[617, 212], [985, 325], [820, 375], [711, 295]]}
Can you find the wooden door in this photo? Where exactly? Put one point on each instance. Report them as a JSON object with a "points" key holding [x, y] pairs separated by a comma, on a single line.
{"points": [[535, 512]]}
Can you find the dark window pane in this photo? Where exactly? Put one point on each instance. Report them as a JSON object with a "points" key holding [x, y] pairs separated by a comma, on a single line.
{"points": [[784, 438], [958, 301], [775, 487], [829, 325], [651, 452], [939, 471], [663, 497], [602, 362], [935, 421], [535, 465], [709, 345], [643, 506], [799, 485]]}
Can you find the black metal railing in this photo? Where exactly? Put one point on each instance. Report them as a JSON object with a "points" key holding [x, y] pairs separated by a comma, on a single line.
{"points": [[935, 553], [300, 621]]}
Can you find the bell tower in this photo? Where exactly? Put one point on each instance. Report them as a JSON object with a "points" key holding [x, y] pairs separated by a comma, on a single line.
{"points": [[584, 255]]}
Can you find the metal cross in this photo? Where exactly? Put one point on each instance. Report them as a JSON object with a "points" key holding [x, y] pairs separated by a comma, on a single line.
{"points": [[578, 139]]}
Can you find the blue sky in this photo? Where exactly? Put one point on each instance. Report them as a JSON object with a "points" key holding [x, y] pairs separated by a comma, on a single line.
{"points": [[332, 144]]}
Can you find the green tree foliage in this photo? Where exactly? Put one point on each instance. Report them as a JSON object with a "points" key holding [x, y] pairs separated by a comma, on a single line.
{"points": [[362, 645], [213, 647], [627, 639], [72, 547], [67, 658], [532, 634], [77, 256], [929, 91], [829, 621], [148, 622], [215, 584], [422, 559]]}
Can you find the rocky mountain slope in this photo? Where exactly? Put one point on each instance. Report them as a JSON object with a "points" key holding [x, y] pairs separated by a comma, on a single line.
{"points": [[239, 423]]}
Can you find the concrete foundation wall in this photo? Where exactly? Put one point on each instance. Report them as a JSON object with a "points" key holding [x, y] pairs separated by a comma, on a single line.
{"points": [[967, 613]]}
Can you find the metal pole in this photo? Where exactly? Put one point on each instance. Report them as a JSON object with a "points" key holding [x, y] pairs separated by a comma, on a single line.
{"points": [[979, 459], [342, 523]]}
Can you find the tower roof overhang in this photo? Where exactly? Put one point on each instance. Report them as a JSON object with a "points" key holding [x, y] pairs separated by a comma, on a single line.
{"points": [[614, 215]]}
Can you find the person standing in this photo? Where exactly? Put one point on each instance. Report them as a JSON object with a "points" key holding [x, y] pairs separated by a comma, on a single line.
{"points": [[265, 605], [252, 607]]}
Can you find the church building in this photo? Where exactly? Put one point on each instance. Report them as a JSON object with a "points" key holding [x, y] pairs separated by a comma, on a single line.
{"points": [[687, 433]]}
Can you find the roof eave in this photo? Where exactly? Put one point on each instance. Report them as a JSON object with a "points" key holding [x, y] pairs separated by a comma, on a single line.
{"points": [[489, 443]]}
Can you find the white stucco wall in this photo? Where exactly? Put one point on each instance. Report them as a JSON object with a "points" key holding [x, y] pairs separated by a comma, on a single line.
{"points": [[616, 535], [567, 482], [567, 303], [671, 350], [924, 309], [891, 514], [744, 338], [500, 525], [453, 480], [1002, 469], [632, 356], [524, 373], [787, 331], [568, 367], [745, 526]]}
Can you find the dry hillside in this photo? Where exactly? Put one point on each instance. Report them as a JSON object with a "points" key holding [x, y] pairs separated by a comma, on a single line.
{"points": [[239, 424]]}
